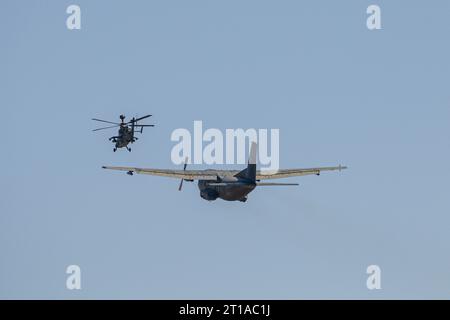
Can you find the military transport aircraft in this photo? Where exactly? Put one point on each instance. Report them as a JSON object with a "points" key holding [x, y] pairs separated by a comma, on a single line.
{"points": [[230, 185]]}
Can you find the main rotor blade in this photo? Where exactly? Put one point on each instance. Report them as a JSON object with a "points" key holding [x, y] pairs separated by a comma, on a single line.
{"points": [[144, 117], [105, 121], [144, 125], [106, 127], [181, 185]]}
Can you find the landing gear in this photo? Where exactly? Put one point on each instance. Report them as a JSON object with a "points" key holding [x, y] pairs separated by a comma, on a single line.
{"points": [[243, 199], [114, 149], [129, 149]]}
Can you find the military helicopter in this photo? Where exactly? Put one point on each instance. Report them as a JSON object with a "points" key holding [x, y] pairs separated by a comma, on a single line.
{"points": [[126, 132]]}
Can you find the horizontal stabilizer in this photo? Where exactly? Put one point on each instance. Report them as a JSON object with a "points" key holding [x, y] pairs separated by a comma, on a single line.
{"points": [[217, 184], [262, 184]]}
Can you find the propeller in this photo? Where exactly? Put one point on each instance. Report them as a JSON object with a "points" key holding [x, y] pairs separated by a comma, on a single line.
{"points": [[184, 169]]}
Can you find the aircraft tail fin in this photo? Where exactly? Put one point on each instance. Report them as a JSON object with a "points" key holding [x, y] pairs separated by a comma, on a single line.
{"points": [[250, 172]]}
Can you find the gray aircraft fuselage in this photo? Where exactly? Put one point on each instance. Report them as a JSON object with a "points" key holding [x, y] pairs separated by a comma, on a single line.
{"points": [[233, 189], [125, 136]]}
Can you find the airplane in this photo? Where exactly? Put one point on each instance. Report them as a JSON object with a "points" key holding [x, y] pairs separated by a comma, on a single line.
{"points": [[229, 185]]}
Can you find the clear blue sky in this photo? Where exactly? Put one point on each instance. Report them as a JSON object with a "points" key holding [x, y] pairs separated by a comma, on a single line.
{"points": [[377, 101]]}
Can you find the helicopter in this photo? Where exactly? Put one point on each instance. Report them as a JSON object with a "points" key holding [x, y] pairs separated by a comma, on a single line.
{"points": [[126, 131]]}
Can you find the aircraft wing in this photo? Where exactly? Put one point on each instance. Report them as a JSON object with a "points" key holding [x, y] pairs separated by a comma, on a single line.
{"points": [[213, 174], [286, 173], [179, 174]]}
